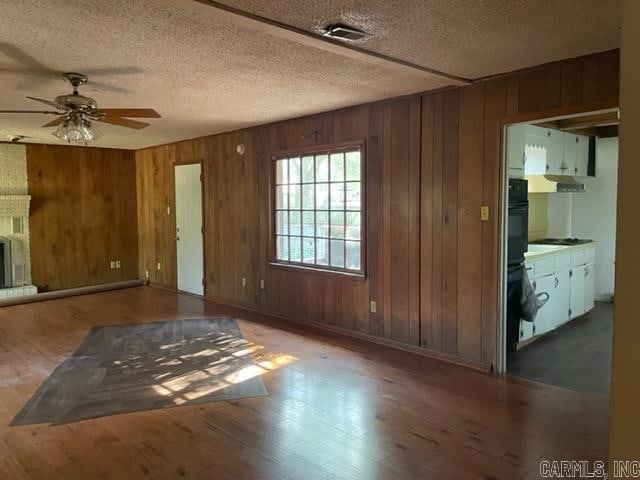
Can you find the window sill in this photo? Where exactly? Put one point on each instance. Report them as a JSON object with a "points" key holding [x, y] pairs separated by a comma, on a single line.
{"points": [[357, 277]]}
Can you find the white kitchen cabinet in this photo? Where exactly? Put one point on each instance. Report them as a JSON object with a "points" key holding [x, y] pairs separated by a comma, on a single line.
{"points": [[556, 164], [515, 150], [534, 150], [536, 144], [556, 311], [544, 321], [581, 168], [568, 276], [577, 289], [536, 136], [590, 286], [562, 293], [570, 152], [526, 330]]}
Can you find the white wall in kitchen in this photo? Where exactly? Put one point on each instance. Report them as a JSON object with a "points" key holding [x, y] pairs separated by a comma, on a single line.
{"points": [[594, 214]]}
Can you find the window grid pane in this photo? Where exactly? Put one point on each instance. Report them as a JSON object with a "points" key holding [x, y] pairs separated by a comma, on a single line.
{"points": [[319, 211]]}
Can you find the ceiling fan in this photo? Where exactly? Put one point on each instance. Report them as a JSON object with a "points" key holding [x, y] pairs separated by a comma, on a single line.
{"points": [[76, 113]]}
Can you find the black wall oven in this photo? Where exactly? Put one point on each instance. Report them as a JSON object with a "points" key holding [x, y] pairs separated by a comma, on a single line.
{"points": [[517, 244], [518, 222]]}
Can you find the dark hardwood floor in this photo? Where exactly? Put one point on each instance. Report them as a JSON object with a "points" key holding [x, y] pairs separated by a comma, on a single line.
{"points": [[337, 408], [576, 355]]}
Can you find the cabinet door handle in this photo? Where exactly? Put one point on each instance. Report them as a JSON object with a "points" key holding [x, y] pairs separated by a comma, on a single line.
{"points": [[557, 282]]}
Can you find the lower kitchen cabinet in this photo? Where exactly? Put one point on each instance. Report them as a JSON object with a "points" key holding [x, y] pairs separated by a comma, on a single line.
{"points": [[569, 280], [578, 290], [563, 294], [590, 286], [583, 289], [556, 311]]}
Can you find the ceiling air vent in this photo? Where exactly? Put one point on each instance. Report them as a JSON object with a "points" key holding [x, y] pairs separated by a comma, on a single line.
{"points": [[344, 32]]}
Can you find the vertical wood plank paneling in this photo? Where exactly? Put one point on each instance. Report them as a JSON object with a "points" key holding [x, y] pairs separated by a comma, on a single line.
{"points": [[608, 67], [571, 84], [495, 109], [432, 266], [449, 266], [375, 217], [414, 139], [469, 256], [398, 223], [427, 223], [83, 215], [387, 179]]}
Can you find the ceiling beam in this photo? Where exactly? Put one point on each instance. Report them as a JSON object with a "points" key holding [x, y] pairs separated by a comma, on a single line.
{"points": [[303, 37]]}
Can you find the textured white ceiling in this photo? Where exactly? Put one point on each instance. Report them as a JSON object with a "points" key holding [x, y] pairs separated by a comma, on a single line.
{"points": [[205, 74], [468, 38]]}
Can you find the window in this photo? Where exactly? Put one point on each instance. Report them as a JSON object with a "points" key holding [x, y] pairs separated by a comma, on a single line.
{"points": [[319, 211]]}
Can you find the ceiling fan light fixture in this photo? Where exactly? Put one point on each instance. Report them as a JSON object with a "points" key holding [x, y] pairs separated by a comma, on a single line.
{"points": [[77, 129]]}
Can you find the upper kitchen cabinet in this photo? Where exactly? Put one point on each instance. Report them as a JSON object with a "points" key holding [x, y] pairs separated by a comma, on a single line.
{"points": [[556, 162], [536, 145], [534, 150], [576, 154], [582, 157], [515, 150]]}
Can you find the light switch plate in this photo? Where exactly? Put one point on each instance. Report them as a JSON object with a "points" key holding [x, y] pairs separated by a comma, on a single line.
{"points": [[484, 213], [373, 306]]}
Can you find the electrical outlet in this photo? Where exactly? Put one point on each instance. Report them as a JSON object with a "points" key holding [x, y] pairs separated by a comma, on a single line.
{"points": [[158, 266], [244, 282], [113, 264], [373, 306], [117, 263], [261, 284]]}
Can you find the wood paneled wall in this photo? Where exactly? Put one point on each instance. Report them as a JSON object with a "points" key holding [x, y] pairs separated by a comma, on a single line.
{"points": [[461, 171], [83, 215], [431, 162]]}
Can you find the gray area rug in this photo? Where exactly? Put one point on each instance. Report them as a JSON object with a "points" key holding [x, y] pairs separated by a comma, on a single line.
{"points": [[129, 368]]}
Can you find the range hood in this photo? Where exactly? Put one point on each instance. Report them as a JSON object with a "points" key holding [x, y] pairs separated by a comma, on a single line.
{"points": [[553, 184]]}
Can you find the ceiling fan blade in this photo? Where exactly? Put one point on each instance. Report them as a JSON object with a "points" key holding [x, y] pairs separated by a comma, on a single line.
{"points": [[130, 112], [55, 123], [45, 112], [47, 102], [124, 122]]}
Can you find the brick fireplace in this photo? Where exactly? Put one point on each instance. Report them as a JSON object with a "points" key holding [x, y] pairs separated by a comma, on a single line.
{"points": [[15, 259]]}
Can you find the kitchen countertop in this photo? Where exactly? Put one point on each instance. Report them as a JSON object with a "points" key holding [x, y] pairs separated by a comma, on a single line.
{"points": [[555, 250]]}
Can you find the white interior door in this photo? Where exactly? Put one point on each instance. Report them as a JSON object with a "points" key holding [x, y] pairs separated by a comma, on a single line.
{"points": [[189, 228]]}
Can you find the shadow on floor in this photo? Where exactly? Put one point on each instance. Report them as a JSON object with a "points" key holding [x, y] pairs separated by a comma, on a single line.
{"points": [[575, 356]]}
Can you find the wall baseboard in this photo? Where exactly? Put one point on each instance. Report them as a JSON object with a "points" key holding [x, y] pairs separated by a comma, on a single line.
{"points": [[475, 365], [71, 292]]}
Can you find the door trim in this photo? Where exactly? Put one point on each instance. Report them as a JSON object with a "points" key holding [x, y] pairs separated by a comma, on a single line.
{"points": [[204, 221]]}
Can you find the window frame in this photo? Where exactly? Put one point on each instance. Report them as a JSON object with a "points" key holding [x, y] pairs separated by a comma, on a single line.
{"points": [[314, 268]]}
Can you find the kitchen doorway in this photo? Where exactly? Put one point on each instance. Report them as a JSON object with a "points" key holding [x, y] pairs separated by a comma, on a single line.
{"points": [[559, 216]]}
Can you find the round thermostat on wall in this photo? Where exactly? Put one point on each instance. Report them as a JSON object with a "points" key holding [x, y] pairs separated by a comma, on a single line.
{"points": [[240, 149]]}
